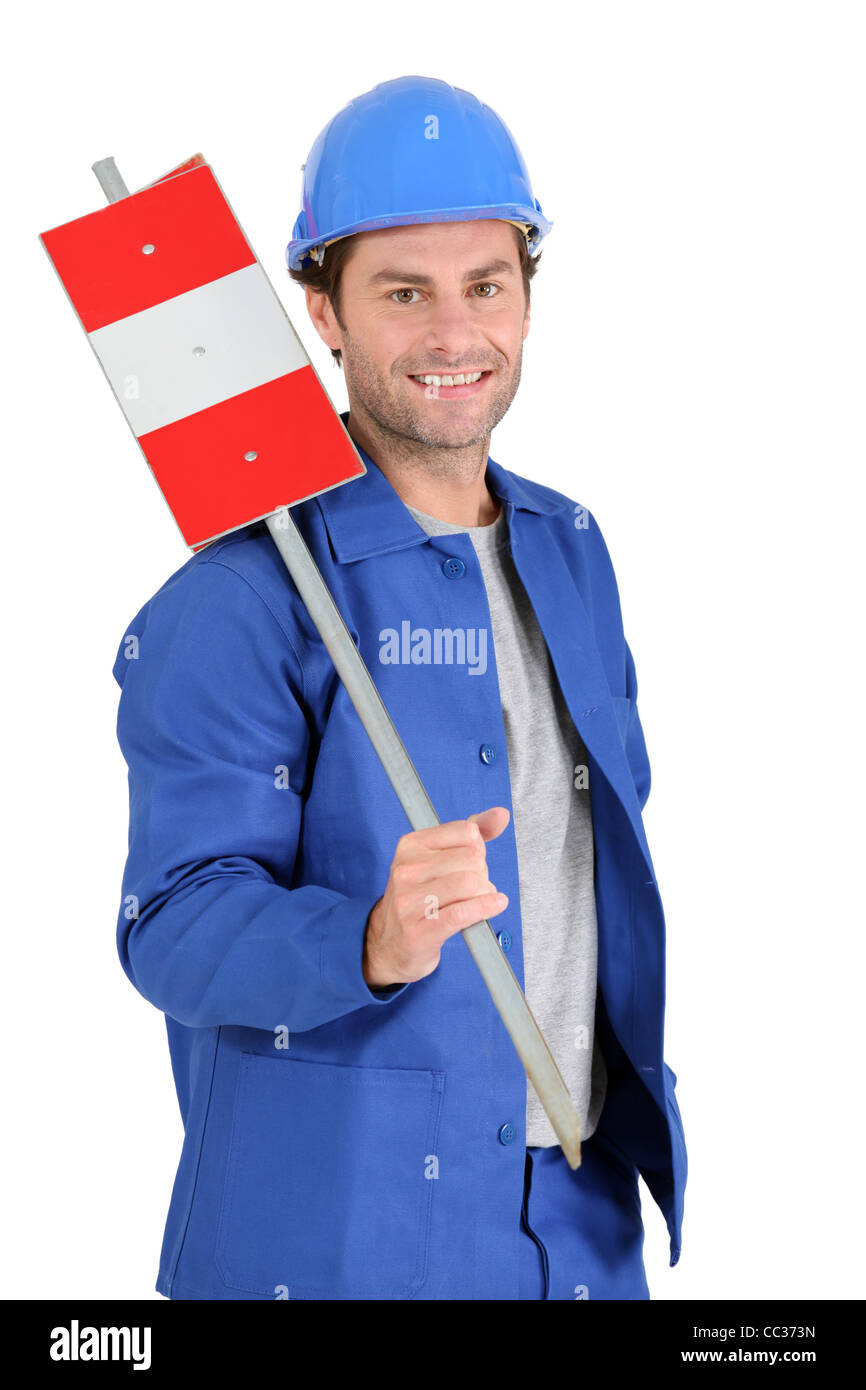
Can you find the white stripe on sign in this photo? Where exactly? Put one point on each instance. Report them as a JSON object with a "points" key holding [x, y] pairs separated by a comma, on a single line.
{"points": [[198, 349]]}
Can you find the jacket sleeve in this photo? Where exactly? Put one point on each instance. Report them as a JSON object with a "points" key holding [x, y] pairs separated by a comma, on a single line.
{"points": [[212, 726], [616, 655], [635, 745]]}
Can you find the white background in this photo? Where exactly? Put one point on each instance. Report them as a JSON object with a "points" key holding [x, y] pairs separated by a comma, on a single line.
{"points": [[694, 375]]}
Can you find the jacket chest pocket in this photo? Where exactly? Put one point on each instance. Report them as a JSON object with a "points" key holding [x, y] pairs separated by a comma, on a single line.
{"points": [[328, 1191]]}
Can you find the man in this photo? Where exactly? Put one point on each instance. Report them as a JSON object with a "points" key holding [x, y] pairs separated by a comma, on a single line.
{"points": [[357, 1122]]}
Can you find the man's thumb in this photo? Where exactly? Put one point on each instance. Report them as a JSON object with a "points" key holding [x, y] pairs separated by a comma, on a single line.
{"points": [[491, 822]]}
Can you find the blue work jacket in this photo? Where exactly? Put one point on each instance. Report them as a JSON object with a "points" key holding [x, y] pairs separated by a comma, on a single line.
{"points": [[343, 1142]]}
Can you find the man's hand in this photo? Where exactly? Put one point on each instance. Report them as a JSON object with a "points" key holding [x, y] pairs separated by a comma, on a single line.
{"points": [[437, 885]]}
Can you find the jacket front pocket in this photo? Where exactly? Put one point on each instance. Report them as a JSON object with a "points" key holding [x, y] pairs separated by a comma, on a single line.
{"points": [[328, 1186]]}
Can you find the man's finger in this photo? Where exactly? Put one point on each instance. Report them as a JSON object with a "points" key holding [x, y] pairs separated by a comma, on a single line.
{"points": [[454, 832]]}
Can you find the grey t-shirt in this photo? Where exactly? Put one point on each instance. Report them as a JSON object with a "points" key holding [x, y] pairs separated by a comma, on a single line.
{"points": [[553, 833]]}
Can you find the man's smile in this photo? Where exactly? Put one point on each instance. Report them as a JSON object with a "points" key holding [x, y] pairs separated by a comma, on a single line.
{"points": [[451, 387]]}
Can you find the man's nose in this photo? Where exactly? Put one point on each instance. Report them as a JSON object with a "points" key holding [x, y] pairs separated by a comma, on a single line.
{"points": [[451, 327]]}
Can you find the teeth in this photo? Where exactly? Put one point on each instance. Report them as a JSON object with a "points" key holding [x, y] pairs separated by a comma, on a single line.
{"points": [[463, 379]]}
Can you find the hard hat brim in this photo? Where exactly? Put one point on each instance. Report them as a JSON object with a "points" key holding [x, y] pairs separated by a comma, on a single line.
{"points": [[521, 216]]}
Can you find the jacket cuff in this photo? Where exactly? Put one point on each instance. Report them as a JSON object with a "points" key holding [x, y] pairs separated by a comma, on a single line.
{"points": [[342, 954]]}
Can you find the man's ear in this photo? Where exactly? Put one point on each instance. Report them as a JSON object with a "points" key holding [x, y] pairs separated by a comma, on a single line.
{"points": [[321, 312], [526, 321]]}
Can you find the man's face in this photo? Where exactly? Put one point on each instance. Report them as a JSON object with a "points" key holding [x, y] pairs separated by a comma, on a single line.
{"points": [[438, 299]]}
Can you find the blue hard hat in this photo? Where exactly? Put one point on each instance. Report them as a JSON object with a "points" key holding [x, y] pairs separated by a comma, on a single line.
{"points": [[412, 150]]}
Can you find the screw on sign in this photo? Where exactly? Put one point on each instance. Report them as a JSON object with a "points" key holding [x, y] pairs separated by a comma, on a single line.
{"points": [[236, 426]]}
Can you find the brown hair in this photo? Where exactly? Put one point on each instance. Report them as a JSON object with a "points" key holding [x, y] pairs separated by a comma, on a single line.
{"points": [[326, 278]]}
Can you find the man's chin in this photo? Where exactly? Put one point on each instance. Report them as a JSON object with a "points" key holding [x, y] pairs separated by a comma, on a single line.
{"points": [[454, 435], [449, 425]]}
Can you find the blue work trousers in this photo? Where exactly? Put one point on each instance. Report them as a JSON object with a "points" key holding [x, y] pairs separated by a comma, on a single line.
{"points": [[581, 1230]]}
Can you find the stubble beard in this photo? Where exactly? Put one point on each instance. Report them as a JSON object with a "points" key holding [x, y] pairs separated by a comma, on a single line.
{"points": [[388, 402]]}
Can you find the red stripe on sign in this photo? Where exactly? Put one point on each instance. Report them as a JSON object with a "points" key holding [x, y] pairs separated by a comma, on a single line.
{"points": [[108, 272], [300, 445]]}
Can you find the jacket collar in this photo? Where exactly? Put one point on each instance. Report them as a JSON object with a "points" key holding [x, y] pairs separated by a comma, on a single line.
{"points": [[368, 517]]}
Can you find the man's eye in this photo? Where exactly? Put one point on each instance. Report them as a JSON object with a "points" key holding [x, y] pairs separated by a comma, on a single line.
{"points": [[485, 285]]}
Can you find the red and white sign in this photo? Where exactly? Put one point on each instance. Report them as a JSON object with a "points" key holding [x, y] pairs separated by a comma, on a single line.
{"points": [[201, 355]]}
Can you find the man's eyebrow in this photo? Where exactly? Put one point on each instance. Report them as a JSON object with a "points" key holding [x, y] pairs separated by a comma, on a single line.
{"points": [[413, 277]]}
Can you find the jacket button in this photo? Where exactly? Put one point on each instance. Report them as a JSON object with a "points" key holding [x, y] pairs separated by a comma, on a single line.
{"points": [[487, 752], [453, 568], [507, 1134], [504, 939]]}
